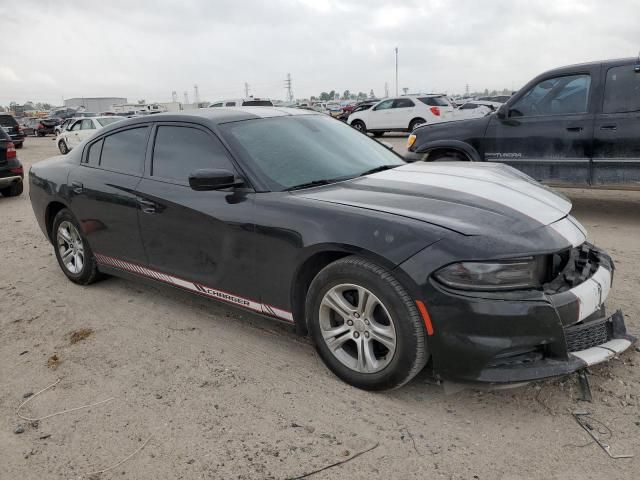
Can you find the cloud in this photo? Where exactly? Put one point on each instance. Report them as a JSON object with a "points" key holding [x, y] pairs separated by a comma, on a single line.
{"points": [[147, 49]]}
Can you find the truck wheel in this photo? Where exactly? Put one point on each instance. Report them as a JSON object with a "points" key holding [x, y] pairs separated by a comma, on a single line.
{"points": [[12, 190], [73, 252], [365, 326]]}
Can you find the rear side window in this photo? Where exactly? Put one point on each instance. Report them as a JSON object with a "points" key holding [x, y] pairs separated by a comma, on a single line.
{"points": [[93, 157], [403, 103], [87, 125], [384, 105], [178, 151], [555, 96], [124, 151], [230, 104], [622, 90], [257, 103], [434, 101]]}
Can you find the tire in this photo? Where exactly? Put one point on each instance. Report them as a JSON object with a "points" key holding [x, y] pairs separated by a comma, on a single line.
{"points": [[62, 146], [12, 190], [415, 122], [19, 145], [66, 235], [378, 134], [448, 157], [390, 315], [359, 125]]}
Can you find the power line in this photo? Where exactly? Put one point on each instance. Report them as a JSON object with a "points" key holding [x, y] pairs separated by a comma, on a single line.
{"points": [[287, 85]]}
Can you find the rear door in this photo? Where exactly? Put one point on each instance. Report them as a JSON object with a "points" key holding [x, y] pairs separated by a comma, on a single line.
{"points": [[548, 132], [402, 112], [206, 237], [103, 199], [73, 137], [616, 148]]}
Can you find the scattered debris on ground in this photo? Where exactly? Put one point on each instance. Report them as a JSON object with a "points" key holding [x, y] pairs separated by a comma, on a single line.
{"points": [[53, 362], [79, 335]]}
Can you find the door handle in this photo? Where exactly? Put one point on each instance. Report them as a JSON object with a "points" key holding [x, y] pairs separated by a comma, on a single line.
{"points": [[609, 127], [147, 206], [77, 187], [574, 129]]}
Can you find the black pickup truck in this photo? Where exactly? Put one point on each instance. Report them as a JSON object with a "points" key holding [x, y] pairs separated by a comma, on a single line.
{"points": [[577, 125]]}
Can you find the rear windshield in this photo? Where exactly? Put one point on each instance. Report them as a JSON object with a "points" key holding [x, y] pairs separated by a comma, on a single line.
{"points": [[7, 121], [434, 101], [257, 103], [108, 121]]}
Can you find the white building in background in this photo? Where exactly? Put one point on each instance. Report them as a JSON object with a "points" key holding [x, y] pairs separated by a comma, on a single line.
{"points": [[135, 108], [95, 104]]}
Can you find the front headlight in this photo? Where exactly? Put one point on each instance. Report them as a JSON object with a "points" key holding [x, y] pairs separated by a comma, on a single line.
{"points": [[499, 275]]}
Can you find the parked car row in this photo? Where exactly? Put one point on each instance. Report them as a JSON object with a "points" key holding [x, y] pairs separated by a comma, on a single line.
{"points": [[80, 129]]}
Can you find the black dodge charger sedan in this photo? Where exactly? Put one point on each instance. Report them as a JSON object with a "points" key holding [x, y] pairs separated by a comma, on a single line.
{"points": [[474, 269]]}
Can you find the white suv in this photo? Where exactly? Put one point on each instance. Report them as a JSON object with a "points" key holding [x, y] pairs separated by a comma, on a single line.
{"points": [[402, 114]]}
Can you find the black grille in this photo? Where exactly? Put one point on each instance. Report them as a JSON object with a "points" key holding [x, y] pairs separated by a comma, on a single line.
{"points": [[587, 335]]}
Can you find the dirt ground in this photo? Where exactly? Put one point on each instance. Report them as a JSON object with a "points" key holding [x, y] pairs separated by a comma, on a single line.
{"points": [[211, 392]]}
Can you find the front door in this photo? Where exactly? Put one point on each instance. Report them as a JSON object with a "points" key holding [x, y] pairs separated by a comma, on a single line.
{"points": [[73, 137], [379, 117], [548, 132], [616, 146], [102, 195], [200, 240]]}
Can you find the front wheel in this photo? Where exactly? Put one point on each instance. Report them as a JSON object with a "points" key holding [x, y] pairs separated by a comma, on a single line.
{"points": [[359, 125], [62, 146], [365, 326], [73, 252]]}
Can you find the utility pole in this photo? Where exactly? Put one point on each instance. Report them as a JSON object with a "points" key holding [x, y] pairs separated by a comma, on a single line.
{"points": [[196, 95], [405, 90], [186, 98], [396, 71], [174, 96], [287, 85], [386, 89], [246, 90], [466, 89]]}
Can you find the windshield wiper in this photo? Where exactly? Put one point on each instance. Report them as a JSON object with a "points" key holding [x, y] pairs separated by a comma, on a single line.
{"points": [[313, 183], [381, 168]]}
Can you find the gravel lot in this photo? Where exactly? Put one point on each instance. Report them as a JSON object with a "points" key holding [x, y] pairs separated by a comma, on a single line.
{"points": [[222, 394]]}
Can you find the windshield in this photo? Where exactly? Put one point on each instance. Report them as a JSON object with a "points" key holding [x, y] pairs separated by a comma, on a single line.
{"points": [[300, 149], [108, 121], [257, 103]]}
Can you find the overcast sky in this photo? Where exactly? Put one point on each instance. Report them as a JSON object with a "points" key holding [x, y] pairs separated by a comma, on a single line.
{"points": [[146, 49]]}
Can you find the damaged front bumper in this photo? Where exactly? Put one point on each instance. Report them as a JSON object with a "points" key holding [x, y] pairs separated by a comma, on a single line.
{"points": [[517, 337]]}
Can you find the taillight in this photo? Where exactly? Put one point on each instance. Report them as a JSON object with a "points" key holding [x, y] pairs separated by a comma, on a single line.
{"points": [[435, 111], [11, 150], [17, 170]]}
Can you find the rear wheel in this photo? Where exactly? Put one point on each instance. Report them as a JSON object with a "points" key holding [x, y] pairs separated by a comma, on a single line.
{"points": [[19, 145], [73, 252], [365, 326], [415, 123], [12, 190], [62, 146], [359, 125]]}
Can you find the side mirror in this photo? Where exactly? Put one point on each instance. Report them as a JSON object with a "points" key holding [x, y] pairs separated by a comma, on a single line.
{"points": [[503, 111], [213, 179]]}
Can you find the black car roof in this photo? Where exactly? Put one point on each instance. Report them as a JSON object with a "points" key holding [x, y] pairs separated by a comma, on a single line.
{"points": [[217, 116], [589, 65]]}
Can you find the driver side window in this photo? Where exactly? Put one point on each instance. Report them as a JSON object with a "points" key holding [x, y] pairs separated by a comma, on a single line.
{"points": [[555, 96], [384, 105], [77, 125]]}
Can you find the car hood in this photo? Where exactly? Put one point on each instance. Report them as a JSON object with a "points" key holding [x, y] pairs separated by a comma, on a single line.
{"points": [[469, 198]]}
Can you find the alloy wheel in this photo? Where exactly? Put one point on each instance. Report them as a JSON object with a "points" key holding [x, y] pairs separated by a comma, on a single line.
{"points": [[357, 328], [70, 247]]}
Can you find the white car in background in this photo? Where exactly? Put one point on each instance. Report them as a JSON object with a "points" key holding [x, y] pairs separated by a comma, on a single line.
{"points": [[402, 114], [243, 102], [475, 109], [81, 129]]}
